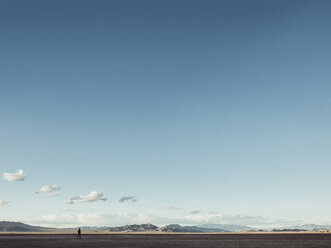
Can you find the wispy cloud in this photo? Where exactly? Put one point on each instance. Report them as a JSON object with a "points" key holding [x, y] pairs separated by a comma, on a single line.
{"points": [[127, 198], [196, 212], [18, 176], [70, 219], [170, 208], [92, 197], [216, 218], [50, 190], [95, 219], [3, 203], [66, 210]]}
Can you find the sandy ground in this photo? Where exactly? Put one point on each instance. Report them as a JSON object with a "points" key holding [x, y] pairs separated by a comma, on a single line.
{"points": [[302, 240]]}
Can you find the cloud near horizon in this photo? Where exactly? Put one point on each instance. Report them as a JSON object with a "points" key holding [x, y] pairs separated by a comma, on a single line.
{"points": [[127, 198], [18, 176], [170, 208], [94, 219], [104, 219], [4, 203], [92, 197], [217, 218], [50, 190]]}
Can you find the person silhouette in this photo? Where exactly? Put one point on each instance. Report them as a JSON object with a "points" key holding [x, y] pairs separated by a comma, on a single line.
{"points": [[79, 235]]}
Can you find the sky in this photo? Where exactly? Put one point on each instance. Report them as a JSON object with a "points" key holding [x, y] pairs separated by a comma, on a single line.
{"points": [[190, 112]]}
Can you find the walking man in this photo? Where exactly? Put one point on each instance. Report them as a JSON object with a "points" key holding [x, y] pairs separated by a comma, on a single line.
{"points": [[79, 236]]}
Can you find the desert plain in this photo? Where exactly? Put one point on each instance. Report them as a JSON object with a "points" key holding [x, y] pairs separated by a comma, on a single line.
{"points": [[242, 240]]}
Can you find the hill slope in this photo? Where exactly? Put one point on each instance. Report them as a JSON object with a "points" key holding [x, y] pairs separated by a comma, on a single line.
{"points": [[228, 227], [8, 226]]}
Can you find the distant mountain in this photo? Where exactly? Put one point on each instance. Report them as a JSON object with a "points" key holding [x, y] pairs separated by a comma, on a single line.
{"points": [[134, 228], [7, 226], [168, 228], [312, 227], [90, 229], [189, 229], [288, 230], [228, 227]]}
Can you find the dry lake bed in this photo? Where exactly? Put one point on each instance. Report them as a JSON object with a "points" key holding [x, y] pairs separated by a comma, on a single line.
{"points": [[301, 240]]}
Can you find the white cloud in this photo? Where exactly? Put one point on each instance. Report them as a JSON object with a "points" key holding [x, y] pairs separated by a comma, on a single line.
{"points": [[92, 197], [18, 176], [3, 203], [50, 190], [127, 198]]}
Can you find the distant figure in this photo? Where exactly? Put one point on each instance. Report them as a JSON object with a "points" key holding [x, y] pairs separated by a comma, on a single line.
{"points": [[79, 236]]}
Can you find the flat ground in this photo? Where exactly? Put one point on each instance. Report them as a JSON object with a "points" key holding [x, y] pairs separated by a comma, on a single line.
{"points": [[166, 240]]}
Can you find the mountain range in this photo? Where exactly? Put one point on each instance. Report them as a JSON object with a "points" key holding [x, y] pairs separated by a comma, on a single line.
{"points": [[312, 227], [7, 226], [168, 228]]}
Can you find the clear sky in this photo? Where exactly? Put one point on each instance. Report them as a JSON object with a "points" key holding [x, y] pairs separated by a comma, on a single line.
{"points": [[202, 111]]}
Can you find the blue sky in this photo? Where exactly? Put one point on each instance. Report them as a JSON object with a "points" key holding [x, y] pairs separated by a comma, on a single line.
{"points": [[221, 107]]}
